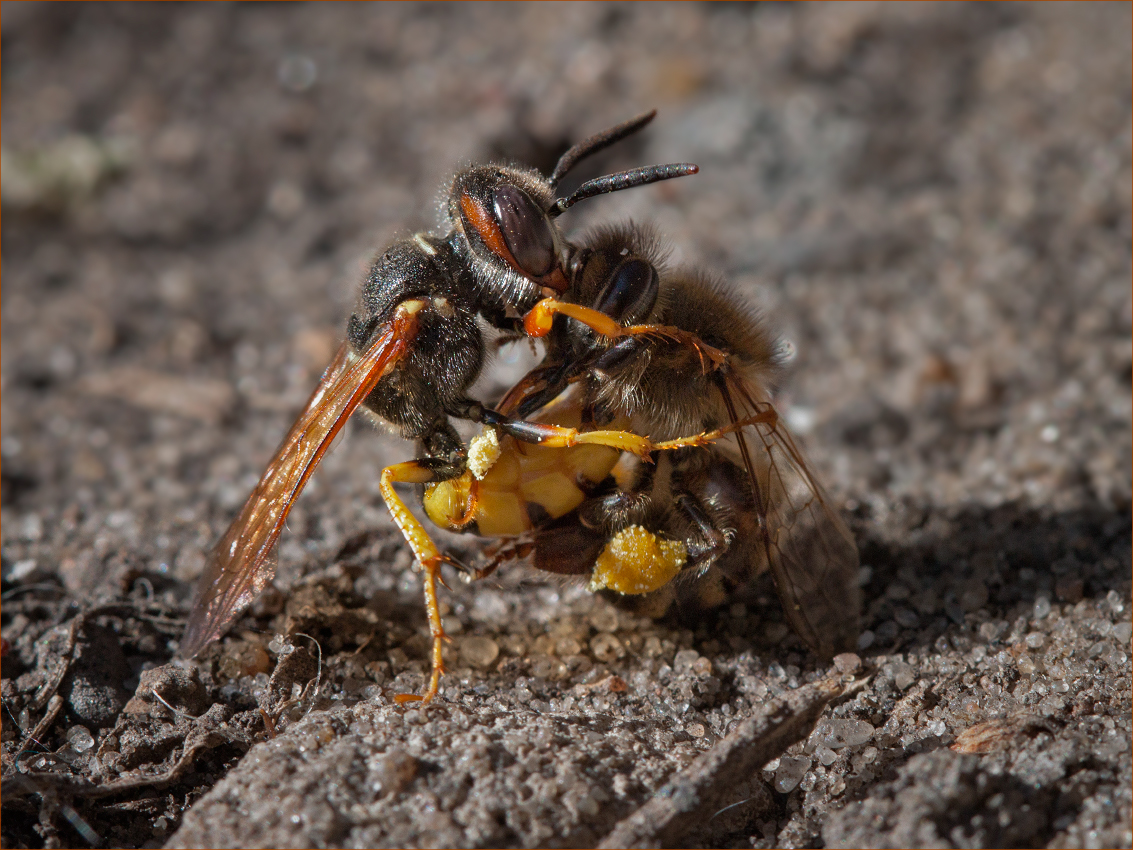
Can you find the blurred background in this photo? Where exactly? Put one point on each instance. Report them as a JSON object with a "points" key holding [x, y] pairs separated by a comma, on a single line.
{"points": [[931, 202]]}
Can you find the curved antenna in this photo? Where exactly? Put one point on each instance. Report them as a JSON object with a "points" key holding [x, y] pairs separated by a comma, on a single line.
{"points": [[622, 180], [597, 142]]}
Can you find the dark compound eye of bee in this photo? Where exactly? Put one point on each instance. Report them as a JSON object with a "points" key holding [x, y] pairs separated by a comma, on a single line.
{"points": [[631, 292], [563, 472]]}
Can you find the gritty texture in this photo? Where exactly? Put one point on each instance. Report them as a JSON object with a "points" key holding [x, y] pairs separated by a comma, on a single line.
{"points": [[931, 203]]}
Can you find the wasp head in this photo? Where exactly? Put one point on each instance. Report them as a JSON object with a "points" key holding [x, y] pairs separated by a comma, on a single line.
{"points": [[503, 232]]}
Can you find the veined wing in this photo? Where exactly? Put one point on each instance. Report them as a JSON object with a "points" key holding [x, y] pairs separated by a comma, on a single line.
{"points": [[812, 554], [241, 564]]}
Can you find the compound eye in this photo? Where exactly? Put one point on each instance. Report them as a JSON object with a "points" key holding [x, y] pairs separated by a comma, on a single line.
{"points": [[631, 291], [527, 232]]}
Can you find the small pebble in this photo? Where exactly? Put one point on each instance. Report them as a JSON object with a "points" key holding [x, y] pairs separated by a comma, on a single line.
{"points": [[906, 617], [685, 660], [990, 630], [80, 739], [565, 646], [478, 651], [903, 676], [547, 667], [1113, 656], [847, 733], [391, 772], [789, 773], [606, 648], [604, 619]]}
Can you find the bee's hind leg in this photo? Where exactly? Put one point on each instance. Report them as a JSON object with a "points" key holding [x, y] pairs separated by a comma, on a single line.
{"points": [[705, 538]]}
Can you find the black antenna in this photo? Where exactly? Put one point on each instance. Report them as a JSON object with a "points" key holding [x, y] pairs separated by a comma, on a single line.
{"points": [[597, 142], [622, 180]]}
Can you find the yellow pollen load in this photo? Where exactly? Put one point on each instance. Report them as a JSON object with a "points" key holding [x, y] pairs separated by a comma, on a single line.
{"points": [[637, 561], [483, 452]]}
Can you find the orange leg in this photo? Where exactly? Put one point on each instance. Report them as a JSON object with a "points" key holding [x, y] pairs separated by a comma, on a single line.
{"points": [[539, 319], [557, 436], [426, 551]]}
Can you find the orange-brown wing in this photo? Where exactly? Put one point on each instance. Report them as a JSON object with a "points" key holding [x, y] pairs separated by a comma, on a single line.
{"points": [[812, 554], [240, 566]]}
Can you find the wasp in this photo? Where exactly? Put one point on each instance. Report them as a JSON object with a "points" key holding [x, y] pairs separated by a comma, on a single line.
{"points": [[717, 493], [413, 347]]}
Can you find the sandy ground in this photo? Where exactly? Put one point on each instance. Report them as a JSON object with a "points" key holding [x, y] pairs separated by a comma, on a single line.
{"points": [[933, 202]]}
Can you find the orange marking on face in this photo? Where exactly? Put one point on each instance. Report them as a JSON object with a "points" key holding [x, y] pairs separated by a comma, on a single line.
{"points": [[487, 229]]}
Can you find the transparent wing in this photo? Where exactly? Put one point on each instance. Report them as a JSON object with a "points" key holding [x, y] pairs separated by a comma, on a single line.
{"points": [[241, 564], [812, 554]]}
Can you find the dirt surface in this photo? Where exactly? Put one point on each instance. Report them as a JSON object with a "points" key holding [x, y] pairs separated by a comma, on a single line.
{"points": [[933, 202]]}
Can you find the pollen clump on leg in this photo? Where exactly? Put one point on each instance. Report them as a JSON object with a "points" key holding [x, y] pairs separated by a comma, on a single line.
{"points": [[637, 561], [483, 452]]}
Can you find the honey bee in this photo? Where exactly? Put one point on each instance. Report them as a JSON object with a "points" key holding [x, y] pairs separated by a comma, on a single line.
{"points": [[414, 346], [717, 493]]}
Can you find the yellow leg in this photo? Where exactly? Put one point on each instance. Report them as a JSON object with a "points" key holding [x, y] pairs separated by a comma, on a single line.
{"points": [[557, 436], [426, 551], [766, 417], [539, 319]]}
